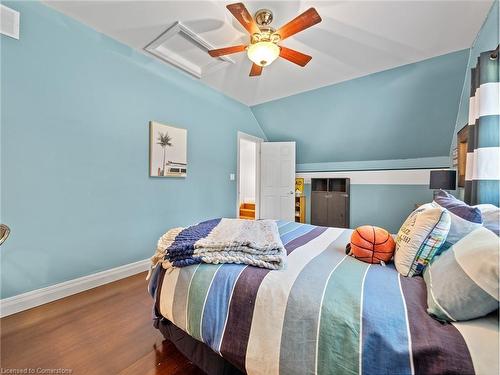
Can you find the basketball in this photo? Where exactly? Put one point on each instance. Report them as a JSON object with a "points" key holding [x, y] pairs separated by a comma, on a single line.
{"points": [[372, 244]]}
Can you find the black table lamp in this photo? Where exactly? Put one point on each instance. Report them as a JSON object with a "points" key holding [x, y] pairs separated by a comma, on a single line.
{"points": [[445, 179]]}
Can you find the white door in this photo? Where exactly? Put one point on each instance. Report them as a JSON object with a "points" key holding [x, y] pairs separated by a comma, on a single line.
{"points": [[277, 182]]}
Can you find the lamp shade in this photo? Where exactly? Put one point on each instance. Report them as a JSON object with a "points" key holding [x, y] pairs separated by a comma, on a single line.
{"points": [[443, 179], [263, 53]]}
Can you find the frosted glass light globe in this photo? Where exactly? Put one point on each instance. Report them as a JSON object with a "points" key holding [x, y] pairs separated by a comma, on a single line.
{"points": [[263, 53]]}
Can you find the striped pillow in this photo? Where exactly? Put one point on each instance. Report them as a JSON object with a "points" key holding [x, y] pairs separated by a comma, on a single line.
{"points": [[464, 218], [462, 283], [420, 237]]}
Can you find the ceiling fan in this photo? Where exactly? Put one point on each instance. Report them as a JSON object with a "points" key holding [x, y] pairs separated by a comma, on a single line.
{"points": [[263, 48]]}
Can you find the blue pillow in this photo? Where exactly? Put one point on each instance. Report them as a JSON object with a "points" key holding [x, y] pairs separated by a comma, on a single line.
{"points": [[491, 217], [462, 283], [464, 218]]}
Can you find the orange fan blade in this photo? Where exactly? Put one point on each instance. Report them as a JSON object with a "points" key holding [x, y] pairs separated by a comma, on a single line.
{"points": [[296, 57], [241, 13], [226, 50], [256, 70], [307, 19]]}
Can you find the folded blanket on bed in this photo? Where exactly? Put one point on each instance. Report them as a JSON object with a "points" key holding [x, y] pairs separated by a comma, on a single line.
{"points": [[256, 243]]}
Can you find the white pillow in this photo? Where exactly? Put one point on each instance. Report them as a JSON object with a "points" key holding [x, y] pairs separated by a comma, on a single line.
{"points": [[420, 237]]}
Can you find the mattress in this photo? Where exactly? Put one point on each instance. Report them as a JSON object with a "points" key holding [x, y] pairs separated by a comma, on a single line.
{"points": [[324, 313]]}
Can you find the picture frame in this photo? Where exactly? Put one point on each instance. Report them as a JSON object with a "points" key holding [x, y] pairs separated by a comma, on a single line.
{"points": [[167, 151]]}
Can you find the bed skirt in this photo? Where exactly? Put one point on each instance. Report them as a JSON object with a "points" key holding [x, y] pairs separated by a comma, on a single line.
{"points": [[196, 351]]}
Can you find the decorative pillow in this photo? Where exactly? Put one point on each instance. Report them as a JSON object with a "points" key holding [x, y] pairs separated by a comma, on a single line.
{"points": [[462, 283], [491, 217], [464, 218], [420, 236]]}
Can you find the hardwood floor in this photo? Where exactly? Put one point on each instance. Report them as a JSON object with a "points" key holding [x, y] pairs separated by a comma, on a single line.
{"points": [[106, 330]]}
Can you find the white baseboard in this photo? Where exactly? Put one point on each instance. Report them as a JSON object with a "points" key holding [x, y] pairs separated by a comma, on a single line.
{"points": [[28, 300]]}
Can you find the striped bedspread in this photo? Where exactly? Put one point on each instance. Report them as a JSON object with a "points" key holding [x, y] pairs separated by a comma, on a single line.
{"points": [[324, 313]]}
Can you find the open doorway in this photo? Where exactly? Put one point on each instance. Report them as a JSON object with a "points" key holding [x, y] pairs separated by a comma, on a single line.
{"points": [[248, 177]]}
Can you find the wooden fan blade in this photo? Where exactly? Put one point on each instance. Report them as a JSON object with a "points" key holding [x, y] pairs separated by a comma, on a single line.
{"points": [[307, 19], [256, 70], [240, 12], [226, 50], [296, 57]]}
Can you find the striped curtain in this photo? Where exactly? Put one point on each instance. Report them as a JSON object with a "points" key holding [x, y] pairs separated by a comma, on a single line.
{"points": [[482, 173]]}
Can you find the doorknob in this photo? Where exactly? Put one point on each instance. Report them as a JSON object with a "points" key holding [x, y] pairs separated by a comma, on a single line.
{"points": [[291, 192], [4, 233]]}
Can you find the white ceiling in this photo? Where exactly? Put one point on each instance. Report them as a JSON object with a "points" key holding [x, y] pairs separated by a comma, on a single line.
{"points": [[354, 39]]}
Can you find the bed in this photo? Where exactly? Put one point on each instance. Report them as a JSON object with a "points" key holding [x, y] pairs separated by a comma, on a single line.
{"points": [[325, 313]]}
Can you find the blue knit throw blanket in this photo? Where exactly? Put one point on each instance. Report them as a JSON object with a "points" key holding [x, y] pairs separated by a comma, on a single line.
{"points": [[223, 240], [181, 252]]}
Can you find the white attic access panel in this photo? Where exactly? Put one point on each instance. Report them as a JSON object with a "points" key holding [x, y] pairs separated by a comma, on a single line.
{"points": [[183, 48]]}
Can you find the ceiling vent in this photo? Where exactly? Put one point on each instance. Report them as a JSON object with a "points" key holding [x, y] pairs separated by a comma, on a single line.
{"points": [[183, 48], [9, 22]]}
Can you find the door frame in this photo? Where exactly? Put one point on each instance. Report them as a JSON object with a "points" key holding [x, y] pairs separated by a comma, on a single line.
{"points": [[257, 141]]}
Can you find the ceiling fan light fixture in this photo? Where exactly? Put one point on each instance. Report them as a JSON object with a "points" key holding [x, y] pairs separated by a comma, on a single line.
{"points": [[263, 53], [264, 39]]}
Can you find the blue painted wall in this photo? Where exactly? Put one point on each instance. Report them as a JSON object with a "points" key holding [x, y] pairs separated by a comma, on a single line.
{"points": [[407, 112], [74, 151], [386, 206], [401, 118]]}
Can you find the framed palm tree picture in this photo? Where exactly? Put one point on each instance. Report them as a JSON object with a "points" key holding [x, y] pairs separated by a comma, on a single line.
{"points": [[167, 151]]}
